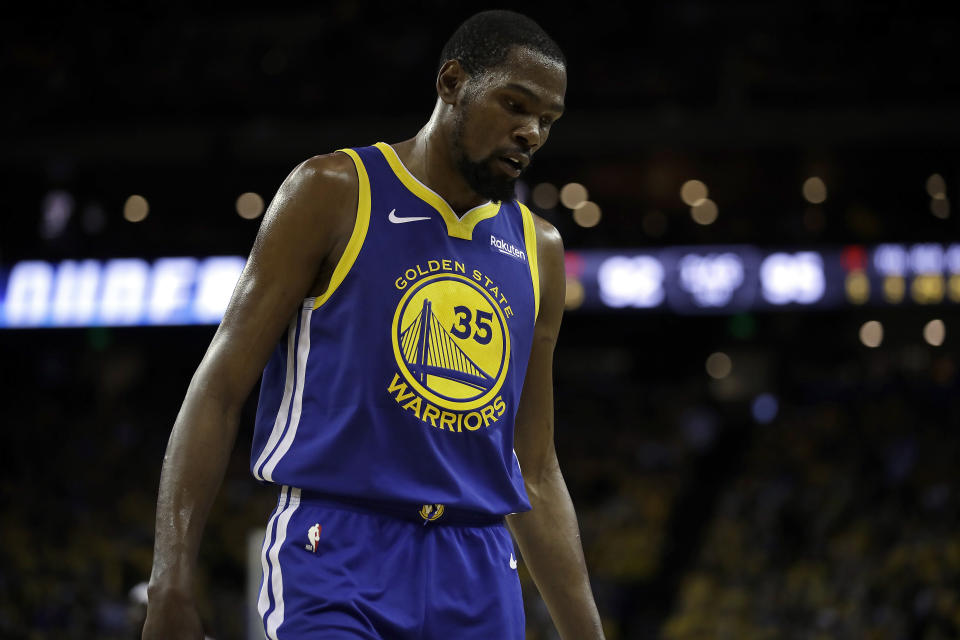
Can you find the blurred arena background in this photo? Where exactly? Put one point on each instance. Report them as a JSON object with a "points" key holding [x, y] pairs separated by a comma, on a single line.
{"points": [[757, 378]]}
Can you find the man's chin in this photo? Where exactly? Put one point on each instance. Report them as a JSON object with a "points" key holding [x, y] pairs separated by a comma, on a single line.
{"points": [[501, 197], [486, 183], [499, 191]]}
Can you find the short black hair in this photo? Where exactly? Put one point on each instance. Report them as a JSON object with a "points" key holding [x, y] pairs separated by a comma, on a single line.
{"points": [[484, 40]]}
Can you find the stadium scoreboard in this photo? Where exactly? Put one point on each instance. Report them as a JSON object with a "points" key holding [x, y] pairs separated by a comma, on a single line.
{"points": [[726, 279], [719, 279]]}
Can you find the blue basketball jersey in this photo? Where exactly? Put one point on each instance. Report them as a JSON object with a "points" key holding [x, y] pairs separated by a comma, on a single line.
{"points": [[400, 383]]}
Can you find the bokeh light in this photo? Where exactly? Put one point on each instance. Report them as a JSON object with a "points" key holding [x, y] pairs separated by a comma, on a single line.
{"points": [[936, 186], [857, 286], [704, 211], [764, 408], [693, 191], [871, 334], [940, 207], [57, 210], [249, 205], [545, 196], [934, 332], [574, 295], [719, 365], [573, 195], [136, 208], [587, 214], [814, 190]]}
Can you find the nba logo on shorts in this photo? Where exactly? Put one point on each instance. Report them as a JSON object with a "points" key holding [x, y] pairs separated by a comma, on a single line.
{"points": [[313, 535]]}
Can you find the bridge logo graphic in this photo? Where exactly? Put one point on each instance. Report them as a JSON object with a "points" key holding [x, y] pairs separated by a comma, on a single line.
{"points": [[451, 342]]}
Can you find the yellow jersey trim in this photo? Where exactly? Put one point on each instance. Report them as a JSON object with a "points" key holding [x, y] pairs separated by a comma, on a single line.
{"points": [[358, 235], [456, 227], [530, 240]]}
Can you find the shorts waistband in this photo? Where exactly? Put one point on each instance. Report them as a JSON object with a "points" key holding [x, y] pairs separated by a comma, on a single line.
{"points": [[427, 514]]}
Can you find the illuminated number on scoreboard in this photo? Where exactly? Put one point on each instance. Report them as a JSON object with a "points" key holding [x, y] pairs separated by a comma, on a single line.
{"points": [[890, 260], [926, 259], [631, 281], [711, 279], [797, 277], [951, 258]]}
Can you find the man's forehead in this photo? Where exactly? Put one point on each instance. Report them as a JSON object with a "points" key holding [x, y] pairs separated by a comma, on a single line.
{"points": [[549, 99], [532, 73], [525, 56]]}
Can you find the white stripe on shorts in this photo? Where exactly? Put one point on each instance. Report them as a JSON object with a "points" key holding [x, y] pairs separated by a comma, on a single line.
{"points": [[275, 619], [263, 603]]}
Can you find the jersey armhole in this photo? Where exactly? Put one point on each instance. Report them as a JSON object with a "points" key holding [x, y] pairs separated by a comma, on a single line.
{"points": [[530, 240], [358, 235]]}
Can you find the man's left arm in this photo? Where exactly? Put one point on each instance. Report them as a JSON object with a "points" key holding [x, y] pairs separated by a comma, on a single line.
{"points": [[548, 535]]}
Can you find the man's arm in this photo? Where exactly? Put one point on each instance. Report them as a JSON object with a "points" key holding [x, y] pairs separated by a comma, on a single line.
{"points": [[301, 230], [548, 535]]}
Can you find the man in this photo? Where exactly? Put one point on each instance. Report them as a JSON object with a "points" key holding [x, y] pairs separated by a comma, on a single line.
{"points": [[407, 309]]}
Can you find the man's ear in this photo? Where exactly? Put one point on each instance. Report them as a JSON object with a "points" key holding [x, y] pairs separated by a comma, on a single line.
{"points": [[450, 81]]}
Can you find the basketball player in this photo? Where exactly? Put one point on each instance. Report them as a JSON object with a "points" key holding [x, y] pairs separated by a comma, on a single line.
{"points": [[403, 309]]}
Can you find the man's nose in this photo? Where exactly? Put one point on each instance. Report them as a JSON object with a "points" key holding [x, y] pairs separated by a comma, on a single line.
{"points": [[528, 134]]}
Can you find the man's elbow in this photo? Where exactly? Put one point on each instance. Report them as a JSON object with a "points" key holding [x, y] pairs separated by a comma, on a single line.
{"points": [[219, 391], [540, 479]]}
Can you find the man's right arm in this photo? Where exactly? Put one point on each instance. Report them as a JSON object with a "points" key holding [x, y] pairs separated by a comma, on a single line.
{"points": [[308, 219]]}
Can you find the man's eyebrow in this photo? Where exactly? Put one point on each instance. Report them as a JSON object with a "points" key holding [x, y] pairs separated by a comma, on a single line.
{"points": [[556, 106]]}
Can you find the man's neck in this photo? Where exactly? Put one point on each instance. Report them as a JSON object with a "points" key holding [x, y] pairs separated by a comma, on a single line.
{"points": [[428, 157]]}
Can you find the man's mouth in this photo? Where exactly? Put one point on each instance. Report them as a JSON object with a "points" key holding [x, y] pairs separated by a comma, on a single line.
{"points": [[511, 166]]}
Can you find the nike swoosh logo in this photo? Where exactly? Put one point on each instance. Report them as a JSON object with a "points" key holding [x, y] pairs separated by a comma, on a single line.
{"points": [[395, 219]]}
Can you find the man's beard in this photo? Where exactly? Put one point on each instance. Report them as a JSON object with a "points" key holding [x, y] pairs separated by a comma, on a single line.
{"points": [[480, 176]]}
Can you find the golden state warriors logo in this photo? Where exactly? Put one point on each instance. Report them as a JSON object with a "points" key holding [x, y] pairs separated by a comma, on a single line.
{"points": [[452, 346], [431, 512]]}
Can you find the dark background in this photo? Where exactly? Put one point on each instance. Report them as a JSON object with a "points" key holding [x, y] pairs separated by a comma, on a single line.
{"points": [[835, 520]]}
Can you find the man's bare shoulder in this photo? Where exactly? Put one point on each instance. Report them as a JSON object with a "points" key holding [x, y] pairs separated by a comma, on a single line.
{"points": [[549, 240], [333, 173], [318, 196]]}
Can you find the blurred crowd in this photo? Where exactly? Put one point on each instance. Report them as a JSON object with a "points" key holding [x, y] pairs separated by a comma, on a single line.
{"points": [[841, 520], [833, 517]]}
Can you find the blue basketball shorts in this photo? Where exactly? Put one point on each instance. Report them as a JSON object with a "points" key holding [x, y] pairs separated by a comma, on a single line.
{"points": [[334, 570]]}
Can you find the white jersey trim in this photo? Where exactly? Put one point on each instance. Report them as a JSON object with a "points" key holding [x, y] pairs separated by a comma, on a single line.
{"points": [[284, 409], [303, 352]]}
